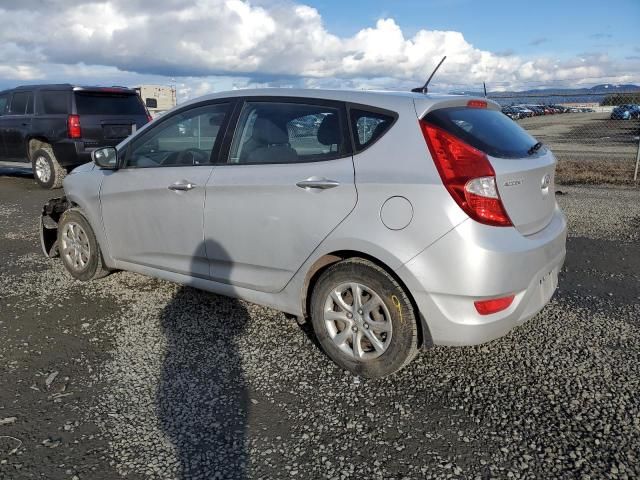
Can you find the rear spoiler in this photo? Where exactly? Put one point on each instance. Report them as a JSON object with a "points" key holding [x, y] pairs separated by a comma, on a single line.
{"points": [[427, 104], [120, 90]]}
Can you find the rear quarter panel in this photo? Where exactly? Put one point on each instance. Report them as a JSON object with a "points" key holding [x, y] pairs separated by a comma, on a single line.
{"points": [[396, 165]]}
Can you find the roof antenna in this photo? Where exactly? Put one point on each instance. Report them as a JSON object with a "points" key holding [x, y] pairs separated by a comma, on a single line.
{"points": [[424, 88]]}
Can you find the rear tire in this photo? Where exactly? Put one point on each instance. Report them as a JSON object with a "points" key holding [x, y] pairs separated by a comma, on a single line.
{"points": [[78, 247], [375, 340], [46, 169]]}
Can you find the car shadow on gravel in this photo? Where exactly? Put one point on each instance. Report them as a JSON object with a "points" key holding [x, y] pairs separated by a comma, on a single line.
{"points": [[202, 397]]}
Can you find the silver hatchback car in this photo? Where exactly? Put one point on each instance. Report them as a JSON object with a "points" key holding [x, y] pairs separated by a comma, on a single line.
{"points": [[391, 220]]}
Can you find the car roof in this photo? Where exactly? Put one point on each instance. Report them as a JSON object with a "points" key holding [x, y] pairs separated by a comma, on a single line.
{"points": [[355, 96], [63, 87]]}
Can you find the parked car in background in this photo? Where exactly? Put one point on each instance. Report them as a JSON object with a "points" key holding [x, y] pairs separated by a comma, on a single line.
{"points": [[536, 109], [524, 111], [512, 112], [626, 112], [56, 127], [391, 220]]}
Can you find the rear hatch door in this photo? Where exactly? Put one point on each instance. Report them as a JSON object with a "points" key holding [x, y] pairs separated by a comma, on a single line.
{"points": [[108, 115], [524, 169]]}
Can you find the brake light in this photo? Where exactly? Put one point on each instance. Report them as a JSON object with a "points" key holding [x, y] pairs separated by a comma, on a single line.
{"points": [[495, 305], [467, 175], [149, 117], [73, 126], [477, 104]]}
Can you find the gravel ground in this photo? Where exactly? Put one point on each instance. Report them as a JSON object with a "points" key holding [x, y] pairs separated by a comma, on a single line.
{"points": [[131, 377]]}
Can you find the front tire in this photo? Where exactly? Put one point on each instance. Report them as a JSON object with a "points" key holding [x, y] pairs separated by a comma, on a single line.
{"points": [[46, 169], [363, 318], [78, 247]]}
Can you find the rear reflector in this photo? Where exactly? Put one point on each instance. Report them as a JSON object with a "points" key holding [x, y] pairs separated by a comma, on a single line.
{"points": [[477, 104], [73, 126], [467, 175], [495, 305]]}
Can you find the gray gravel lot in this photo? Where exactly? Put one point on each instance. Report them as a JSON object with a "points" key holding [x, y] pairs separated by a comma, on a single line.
{"points": [[155, 380], [586, 136]]}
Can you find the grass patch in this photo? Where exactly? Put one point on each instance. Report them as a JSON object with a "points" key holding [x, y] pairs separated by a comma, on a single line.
{"points": [[571, 172]]}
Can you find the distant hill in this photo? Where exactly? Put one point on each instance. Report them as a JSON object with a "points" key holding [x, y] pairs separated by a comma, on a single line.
{"points": [[557, 95]]}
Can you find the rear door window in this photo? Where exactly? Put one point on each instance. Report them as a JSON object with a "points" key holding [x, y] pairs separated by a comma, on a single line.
{"points": [[487, 130], [19, 103], [54, 102], [98, 103], [4, 101], [369, 126], [281, 132]]}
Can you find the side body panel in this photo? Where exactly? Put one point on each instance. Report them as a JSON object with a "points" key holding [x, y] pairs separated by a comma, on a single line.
{"points": [[148, 224], [260, 226]]}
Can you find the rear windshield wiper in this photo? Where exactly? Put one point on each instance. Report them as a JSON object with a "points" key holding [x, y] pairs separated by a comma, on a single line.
{"points": [[535, 148]]}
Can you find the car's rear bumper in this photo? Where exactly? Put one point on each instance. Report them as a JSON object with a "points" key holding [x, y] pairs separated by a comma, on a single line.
{"points": [[476, 262]]}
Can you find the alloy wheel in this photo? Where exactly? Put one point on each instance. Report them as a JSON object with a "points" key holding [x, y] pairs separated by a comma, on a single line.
{"points": [[358, 321], [75, 246]]}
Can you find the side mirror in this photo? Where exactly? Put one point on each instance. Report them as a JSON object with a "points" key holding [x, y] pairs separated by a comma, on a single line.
{"points": [[105, 157]]}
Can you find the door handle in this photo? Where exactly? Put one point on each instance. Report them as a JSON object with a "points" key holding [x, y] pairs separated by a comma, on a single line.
{"points": [[182, 186], [319, 183]]}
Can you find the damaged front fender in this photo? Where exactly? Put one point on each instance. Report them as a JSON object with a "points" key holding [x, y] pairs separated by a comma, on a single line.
{"points": [[51, 213]]}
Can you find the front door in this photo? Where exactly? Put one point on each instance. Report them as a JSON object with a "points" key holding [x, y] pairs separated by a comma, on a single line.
{"points": [[16, 125], [4, 106], [152, 208], [288, 182]]}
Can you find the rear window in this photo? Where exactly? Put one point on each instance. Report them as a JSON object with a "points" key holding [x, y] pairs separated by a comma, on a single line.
{"points": [[54, 102], [368, 126], [487, 130], [96, 103]]}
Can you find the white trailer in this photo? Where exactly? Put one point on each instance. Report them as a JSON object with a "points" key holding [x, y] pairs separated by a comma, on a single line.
{"points": [[157, 98]]}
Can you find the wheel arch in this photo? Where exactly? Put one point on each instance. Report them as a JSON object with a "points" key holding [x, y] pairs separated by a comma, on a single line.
{"points": [[328, 259], [94, 218], [34, 143]]}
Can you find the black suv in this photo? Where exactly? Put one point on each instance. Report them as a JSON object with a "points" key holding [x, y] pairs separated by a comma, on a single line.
{"points": [[56, 127]]}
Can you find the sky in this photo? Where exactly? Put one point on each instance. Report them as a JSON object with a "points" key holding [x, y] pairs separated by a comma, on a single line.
{"points": [[212, 45]]}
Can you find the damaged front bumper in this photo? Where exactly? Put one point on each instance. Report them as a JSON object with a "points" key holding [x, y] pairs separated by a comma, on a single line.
{"points": [[51, 213]]}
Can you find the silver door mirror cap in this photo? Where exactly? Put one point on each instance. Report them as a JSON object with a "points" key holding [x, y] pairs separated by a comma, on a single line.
{"points": [[105, 158]]}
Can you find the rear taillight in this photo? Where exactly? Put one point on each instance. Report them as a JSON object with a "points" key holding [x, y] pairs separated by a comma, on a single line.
{"points": [[467, 175], [495, 305], [73, 126], [149, 117]]}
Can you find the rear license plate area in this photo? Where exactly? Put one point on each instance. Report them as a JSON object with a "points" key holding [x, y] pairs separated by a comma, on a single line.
{"points": [[116, 131]]}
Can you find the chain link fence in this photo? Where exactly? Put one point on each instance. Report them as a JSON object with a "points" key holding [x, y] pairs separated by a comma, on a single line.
{"points": [[595, 136]]}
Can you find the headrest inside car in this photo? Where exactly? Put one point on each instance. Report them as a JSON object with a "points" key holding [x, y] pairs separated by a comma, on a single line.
{"points": [[268, 133], [329, 130]]}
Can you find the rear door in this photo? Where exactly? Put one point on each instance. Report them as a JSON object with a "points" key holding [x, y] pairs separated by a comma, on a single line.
{"points": [[288, 181], [108, 115], [152, 208], [524, 169]]}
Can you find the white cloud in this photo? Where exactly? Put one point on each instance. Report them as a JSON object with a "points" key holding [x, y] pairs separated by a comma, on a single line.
{"points": [[283, 44]]}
